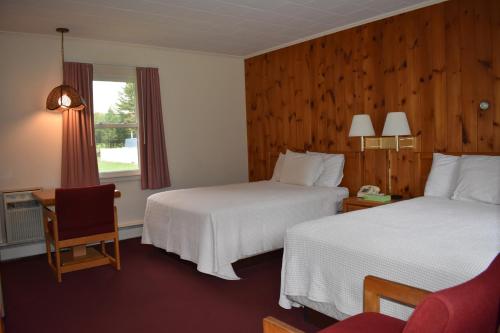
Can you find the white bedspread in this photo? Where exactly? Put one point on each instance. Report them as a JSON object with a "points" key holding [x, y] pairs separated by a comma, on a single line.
{"points": [[430, 243], [216, 226]]}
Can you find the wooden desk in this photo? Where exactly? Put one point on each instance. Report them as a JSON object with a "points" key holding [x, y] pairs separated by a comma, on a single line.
{"points": [[48, 197]]}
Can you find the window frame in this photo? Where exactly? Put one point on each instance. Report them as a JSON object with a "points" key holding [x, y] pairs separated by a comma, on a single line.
{"points": [[111, 73]]}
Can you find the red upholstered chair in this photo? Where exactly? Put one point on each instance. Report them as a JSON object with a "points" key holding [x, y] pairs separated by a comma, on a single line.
{"points": [[82, 216], [471, 307]]}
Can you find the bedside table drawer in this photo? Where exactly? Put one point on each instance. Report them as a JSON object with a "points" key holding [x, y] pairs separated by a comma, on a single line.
{"points": [[352, 208], [353, 203]]}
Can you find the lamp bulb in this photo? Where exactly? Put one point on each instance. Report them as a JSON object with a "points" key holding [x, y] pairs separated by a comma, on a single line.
{"points": [[64, 101]]}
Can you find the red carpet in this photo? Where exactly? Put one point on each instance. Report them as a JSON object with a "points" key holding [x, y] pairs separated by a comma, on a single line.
{"points": [[154, 292]]}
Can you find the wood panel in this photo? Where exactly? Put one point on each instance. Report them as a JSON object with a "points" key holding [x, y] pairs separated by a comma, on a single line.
{"points": [[436, 64]]}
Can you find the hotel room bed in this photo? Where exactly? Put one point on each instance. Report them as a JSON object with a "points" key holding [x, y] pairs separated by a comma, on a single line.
{"points": [[216, 226], [427, 242]]}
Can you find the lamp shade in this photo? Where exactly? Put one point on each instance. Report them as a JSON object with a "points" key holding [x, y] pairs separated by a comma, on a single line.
{"points": [[361, 126], [65, 97], [396, 123]]}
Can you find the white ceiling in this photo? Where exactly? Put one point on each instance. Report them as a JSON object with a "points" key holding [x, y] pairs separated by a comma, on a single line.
{"points": [[237, 27]]}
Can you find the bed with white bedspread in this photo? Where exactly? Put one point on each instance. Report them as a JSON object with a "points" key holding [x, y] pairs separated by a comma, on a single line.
{"points": [[427, 242], [216, 226]]}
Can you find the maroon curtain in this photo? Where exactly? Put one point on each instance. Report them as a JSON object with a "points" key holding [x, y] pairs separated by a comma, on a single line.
{"points": [[79, 157], [154, 165]]}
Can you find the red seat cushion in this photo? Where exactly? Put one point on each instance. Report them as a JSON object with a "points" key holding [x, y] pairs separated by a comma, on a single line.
{"points": [[369, 322]]}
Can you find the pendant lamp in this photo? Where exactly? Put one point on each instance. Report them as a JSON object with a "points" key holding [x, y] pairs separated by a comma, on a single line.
{"points": [[64, 97]]}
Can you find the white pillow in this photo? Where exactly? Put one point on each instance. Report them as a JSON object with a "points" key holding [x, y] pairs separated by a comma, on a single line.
{"points": [[479, 179], [301, 169], [442, 179], [292, 153], [278, 167], [333, 171]]}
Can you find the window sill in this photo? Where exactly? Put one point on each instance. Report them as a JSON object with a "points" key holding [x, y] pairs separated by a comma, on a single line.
{"points": [[119, 176]]}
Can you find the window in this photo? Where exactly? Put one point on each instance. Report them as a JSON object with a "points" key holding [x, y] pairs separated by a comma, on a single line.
{"points": [[116, 121]]}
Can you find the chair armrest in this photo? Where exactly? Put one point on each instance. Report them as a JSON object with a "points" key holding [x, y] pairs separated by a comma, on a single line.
{"points": [[273, 325], [376, 288]]}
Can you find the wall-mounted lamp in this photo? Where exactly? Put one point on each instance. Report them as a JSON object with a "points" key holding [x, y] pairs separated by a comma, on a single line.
{"points": [[396, 125], [361, 126]]}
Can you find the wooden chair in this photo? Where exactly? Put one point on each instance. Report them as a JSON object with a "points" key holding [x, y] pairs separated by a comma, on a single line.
{"points": [[82, 216], [473, 306]]}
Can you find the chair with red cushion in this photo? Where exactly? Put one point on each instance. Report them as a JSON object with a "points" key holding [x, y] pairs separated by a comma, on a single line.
{"points": [[82, 216], [473, 306]]}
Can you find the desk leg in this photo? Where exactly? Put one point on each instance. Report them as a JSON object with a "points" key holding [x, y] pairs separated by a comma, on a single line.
{"points": [[79, 251]]}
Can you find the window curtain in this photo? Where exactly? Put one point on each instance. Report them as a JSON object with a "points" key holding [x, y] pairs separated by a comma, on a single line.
{"points": [[79, 157], [154, 165]]}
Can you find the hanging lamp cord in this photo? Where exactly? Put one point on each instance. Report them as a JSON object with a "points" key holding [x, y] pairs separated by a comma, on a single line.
{"points": [[62, 53]]}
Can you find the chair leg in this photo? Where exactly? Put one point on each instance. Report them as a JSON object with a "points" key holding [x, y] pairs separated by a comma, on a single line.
{"points": [[58, 264], [47, 238], [48, 249], [103, 247], [117, 253]]}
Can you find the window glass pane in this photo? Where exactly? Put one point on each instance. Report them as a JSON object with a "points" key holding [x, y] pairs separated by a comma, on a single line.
{"points": [[114, 102], [116, 149], [116, 129]]}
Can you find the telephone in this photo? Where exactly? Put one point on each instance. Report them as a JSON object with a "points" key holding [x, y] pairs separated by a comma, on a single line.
{"points": [[368, 190]]}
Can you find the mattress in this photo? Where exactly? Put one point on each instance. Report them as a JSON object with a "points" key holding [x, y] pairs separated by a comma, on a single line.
{"points": [[430, 243], [216, 226]]}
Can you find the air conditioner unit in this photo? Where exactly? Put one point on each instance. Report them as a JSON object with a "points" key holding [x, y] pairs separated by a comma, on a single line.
{"points": [[22, 217]]}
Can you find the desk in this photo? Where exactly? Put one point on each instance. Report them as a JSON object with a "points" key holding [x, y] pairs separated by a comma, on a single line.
{"points": [[47, 198]]}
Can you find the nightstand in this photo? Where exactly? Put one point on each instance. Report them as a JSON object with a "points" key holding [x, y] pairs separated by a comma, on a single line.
{"points": [[353, 203]]}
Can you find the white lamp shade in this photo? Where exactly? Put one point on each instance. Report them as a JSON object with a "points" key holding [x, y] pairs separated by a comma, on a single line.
{"points": [[396, 123], [361, 126]]}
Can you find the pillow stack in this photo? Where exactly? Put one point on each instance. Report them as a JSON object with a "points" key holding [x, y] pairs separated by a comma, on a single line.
{"points": [[309, 169], [300, 169], [467, 178], [442, 179], [333, 169], [277, 168]]}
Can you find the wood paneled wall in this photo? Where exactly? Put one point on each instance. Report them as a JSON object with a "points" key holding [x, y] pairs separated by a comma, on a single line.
{"points": [[436, 64]]}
